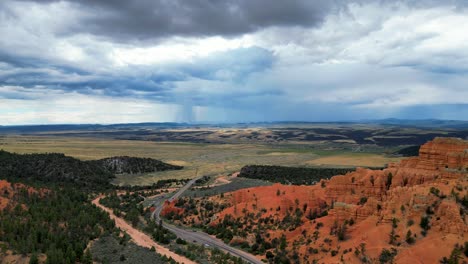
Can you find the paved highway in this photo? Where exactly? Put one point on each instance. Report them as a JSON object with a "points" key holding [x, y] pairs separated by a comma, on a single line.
{"points": [[200, 237]]}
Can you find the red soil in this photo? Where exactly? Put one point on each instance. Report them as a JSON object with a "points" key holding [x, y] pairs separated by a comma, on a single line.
{"points": [[5, 194], [8, 191], [170, 208]]}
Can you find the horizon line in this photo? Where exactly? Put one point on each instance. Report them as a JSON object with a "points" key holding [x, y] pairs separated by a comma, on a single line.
{"points": [[242, 122]]}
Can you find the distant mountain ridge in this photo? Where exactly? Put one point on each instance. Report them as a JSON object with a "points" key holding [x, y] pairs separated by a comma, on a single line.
{"points": [[421, 123], [340, 135]]}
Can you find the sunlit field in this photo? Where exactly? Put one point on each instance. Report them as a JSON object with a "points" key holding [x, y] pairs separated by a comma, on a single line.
{"points": [[198, 159]]}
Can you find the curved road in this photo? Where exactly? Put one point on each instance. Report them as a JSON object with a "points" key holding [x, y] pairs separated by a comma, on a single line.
{"points": [[200, 237]]}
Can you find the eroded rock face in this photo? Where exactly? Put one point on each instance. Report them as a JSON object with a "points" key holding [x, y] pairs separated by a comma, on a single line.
{"points": [[431, 185], [442, 158], [350, 188], [450, 153]]}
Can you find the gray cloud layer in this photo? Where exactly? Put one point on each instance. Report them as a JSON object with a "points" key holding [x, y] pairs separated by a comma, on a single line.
{"points": [[299, 60], [145, 21], [124, 20]]}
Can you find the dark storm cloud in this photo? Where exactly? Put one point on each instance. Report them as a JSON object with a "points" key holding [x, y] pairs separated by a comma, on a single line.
{"points": [[140, 20], [123, 20], [151, 82], [427, 3], [87, 83]]}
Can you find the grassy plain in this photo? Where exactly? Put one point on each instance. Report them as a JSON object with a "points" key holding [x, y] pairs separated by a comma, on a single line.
{"points": [[353, 159], [198, 158]]}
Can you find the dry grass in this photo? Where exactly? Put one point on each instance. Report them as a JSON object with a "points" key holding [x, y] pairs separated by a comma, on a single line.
{"points": [[358, 159], [201, 159]]}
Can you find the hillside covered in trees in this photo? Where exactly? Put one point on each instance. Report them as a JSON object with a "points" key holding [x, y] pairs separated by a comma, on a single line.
{"points": [[290, 175], [55, 222], [408, 151], [58, 168], [46, 215], [133, 165], [53, 167]]}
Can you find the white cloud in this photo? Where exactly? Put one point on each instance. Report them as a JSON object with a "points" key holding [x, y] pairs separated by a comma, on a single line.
{"points": [[375, 33], [177, 50], [54, 107]]}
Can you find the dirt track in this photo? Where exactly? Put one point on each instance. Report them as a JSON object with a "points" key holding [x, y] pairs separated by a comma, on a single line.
{"points": [[141, 238]]}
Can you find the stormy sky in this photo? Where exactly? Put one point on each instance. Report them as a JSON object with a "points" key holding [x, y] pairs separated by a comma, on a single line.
{"points": [[118, 61]]}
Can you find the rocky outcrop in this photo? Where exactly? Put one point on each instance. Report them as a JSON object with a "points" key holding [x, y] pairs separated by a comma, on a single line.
{"points": [[449, 153], [442, 158], [350, 188]]}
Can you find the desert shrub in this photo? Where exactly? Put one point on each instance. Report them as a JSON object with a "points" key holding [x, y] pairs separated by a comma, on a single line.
{"points": [[434, 191], [362, 200], [387, 256], [388, 183], [410, 222], [409, 237], [424, 224], [454, 257]]}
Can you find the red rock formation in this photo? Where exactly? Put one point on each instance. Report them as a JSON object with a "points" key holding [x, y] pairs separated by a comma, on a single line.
{"points": [[442, 158], [374, 201], [444, 153]]}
